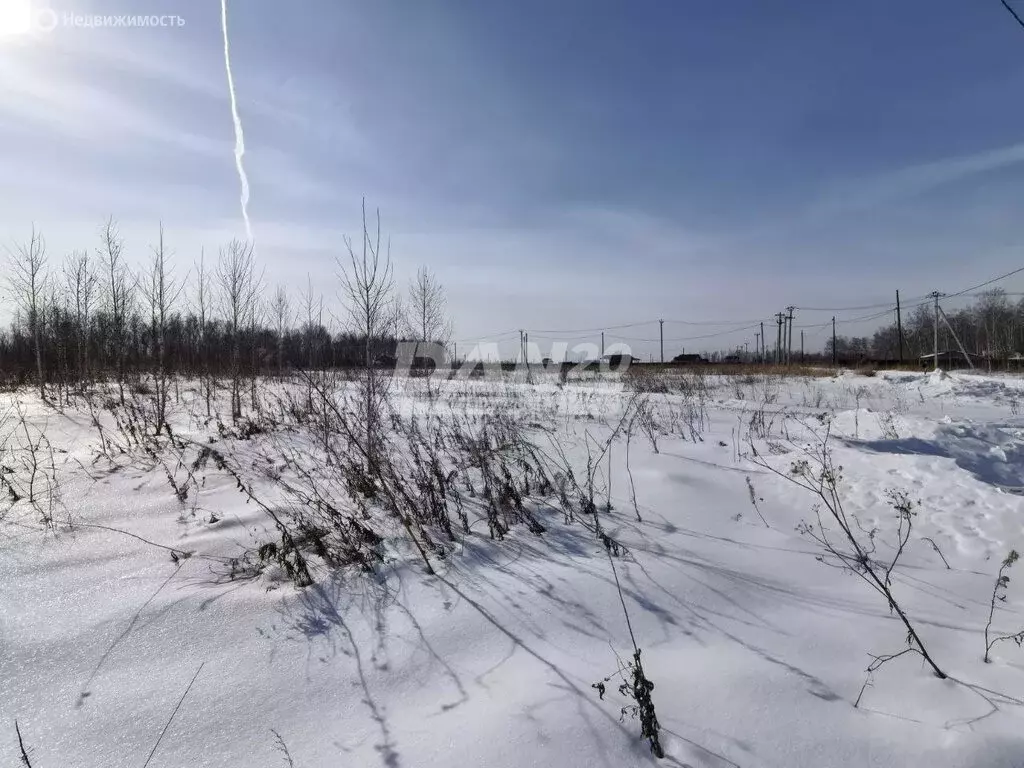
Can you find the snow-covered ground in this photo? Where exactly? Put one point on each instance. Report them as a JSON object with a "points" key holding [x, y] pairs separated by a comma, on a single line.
{"points": [[756, 648]]}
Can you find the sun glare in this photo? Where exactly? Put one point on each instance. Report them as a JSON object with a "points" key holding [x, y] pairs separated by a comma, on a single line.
{"points": [[15, 17]]}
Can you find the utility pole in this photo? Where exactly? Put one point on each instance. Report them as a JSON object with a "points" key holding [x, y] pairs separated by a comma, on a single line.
{"points": [[757, 344], [762, 341], [801, 347], [661, 334], [789, 335], [784, 356], [522, 345], [778, 338], [899, 325], [835, 357], [935, 343], [602, 345]]}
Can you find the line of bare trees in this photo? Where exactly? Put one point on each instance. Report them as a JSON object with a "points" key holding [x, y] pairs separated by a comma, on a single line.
{"points": [[94, 315], [992, 328]]}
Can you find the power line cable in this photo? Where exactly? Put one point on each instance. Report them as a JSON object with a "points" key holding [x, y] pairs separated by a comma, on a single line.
{"points": [[553, 334], [987, 282]]}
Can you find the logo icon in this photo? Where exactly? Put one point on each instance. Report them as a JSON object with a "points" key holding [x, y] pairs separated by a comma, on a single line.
{"points": [[16, 17]]}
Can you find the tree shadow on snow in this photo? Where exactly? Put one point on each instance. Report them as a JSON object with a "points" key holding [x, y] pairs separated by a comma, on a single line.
{"points": [[319, 614]]}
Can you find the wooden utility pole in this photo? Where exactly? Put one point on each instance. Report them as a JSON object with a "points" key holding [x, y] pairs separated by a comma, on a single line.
{"points": [[935, 340], [789, 335], [778, 338], [602, 345], [661, 334], [757, 344], [762, 341], [801, 347], [835, 357], [899, 325]]}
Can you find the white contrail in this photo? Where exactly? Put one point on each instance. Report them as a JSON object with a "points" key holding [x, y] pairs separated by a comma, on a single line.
{"points": [[239, 136]]}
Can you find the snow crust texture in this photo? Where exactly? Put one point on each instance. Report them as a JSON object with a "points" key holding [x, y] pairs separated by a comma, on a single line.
{"points": [[757, 649]]}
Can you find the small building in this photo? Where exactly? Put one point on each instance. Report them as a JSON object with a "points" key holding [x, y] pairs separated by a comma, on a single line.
{"points": [[685, 359], [617, 361]]}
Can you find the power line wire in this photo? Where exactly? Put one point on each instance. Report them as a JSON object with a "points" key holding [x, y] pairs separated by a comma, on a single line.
{"points": [[743, 325], [1013, 13], [888, 305], [987, 282], [712, 322]]}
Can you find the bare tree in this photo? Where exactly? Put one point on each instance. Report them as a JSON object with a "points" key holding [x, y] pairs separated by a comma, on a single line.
{"points": [[161, 290], [426, 313], [427, 309], [280, 311], [120, 294], [202, 310], [399, 323], [256, 320], [367, 285], [57, 332], [28, 281], [81, 281], [236, 279], [313, 304]]}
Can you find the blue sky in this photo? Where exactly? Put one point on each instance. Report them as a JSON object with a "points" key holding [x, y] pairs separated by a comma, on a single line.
{"points": [[559, 165]]}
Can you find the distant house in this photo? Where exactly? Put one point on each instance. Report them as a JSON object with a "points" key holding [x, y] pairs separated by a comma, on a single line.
{"points": [[617, 361], [731, 359], [689, 360]]}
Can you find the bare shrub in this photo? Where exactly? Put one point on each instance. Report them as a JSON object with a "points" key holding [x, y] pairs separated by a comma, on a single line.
{"points": [[635, 687], [282, 747], [646, 420], [937, 551], [22, 750], [853, 549], [754, 499], [32, 475], [434, 476], [999, 594]]}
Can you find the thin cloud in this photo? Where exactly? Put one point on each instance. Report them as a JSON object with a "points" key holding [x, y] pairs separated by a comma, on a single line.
{"points": [[917, 180]]}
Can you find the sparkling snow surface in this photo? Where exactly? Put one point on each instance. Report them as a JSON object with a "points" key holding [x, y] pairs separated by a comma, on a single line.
{"points": [[757, 650]]}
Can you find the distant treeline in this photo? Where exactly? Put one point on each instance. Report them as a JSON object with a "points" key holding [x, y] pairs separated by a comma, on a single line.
{"points": [[991, 328], [92, 316], [71, 350]]}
